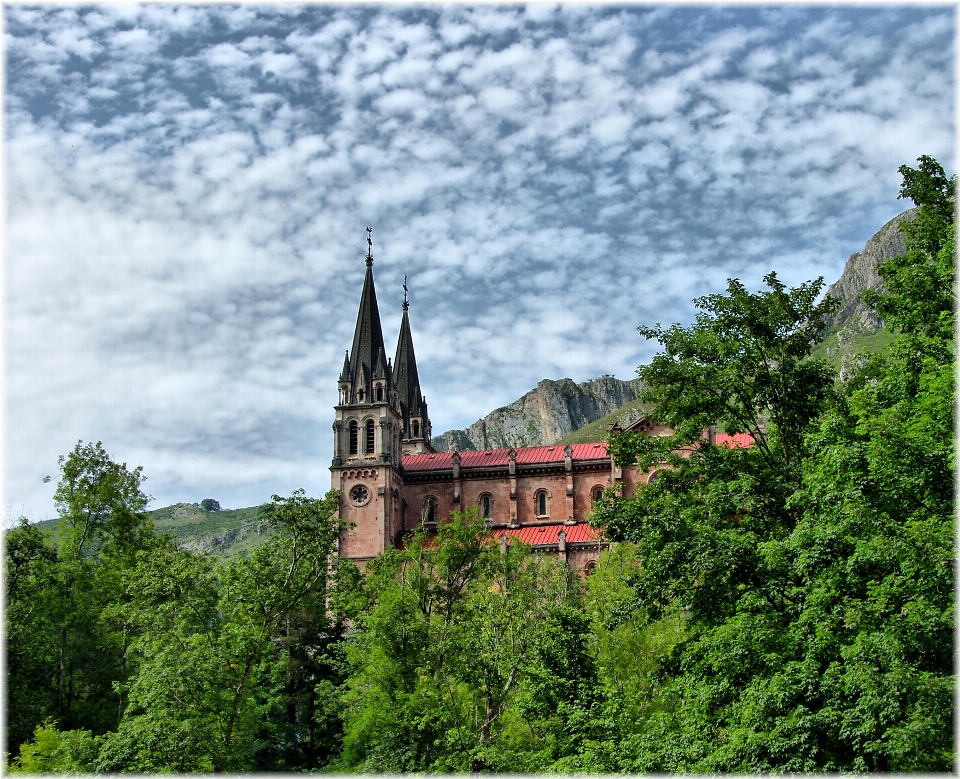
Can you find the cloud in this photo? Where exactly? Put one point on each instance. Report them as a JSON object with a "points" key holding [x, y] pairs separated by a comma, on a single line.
{"points": [[187, 189]]}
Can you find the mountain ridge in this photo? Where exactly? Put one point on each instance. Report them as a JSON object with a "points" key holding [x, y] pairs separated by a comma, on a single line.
{"points": [[549, 412]]}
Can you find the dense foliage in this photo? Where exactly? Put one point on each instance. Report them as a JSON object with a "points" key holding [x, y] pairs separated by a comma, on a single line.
{"points": [[787, 606], [817, 566], [126, 653]]}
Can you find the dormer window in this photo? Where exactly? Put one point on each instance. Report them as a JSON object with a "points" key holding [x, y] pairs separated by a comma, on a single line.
{"points": [[354, 437], [416, 429], [360, 395], [380, 394]]}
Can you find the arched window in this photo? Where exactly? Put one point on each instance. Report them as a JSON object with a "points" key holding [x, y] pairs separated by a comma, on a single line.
{"points": [[430, 511], [379, 394], [369, 437], [485, 506], [416, 429], [588, 568], [653, 477], [354, 436], [360, 395], [597, 494], [540, 503]]}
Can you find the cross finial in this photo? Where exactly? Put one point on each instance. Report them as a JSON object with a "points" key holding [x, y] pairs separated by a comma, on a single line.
{"points": [[369, 246], [405, 303]]}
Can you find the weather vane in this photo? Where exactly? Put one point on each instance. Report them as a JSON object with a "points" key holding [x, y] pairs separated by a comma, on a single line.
{"points": [[369, 245], [405, 290]]}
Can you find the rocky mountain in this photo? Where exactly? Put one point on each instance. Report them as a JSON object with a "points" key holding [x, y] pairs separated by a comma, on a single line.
{"points": [[860, 274], [856, 327], [556, 409], [544, 415]]}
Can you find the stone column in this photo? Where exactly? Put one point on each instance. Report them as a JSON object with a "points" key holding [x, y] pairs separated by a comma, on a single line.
{"points": [[568, 468], [512, 471], [456, 476]]}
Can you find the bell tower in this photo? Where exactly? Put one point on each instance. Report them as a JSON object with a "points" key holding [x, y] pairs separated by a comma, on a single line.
{"points": [[366, 468]]}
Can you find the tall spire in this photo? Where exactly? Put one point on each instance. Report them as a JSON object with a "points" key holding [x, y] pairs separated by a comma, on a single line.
{"points": [[368, 336], [405, 375]]}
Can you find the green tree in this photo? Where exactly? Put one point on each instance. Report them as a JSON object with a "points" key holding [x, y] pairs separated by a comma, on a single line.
{"points": [[100, 504], [30, 634], [64, 654], [454, 640], [56, 752], [815, 568], [699, 528], [213, 645], [875, 549]]}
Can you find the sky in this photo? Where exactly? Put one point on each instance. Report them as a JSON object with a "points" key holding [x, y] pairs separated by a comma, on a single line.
{"points": [[187, 190]]}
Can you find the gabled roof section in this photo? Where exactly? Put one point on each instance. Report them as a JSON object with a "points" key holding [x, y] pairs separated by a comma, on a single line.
{"points": [[368, 335]]}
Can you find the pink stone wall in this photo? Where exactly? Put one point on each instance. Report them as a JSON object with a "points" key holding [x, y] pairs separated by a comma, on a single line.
{"points": [[499, 490]]}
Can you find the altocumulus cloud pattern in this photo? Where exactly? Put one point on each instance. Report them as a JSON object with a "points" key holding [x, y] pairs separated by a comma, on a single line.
{"points": [[188, 186]]}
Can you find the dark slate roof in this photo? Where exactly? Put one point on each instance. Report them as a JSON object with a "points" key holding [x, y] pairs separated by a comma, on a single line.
{"points": [[368, 336], [405, 377]]}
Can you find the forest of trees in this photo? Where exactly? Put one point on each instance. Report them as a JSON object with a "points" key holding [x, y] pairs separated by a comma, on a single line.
{"points": [[786, 607]]}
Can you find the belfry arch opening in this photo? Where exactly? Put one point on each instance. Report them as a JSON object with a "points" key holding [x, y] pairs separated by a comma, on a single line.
{"points": [[369, 437]]}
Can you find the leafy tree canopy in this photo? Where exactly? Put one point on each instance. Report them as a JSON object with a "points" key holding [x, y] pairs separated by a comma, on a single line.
{"points": [[815, 566]]}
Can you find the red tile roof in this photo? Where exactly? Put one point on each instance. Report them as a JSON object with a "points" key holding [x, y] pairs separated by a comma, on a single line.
{"points": [[534, 535], [735, 441], [494, 457], [547, 534]]}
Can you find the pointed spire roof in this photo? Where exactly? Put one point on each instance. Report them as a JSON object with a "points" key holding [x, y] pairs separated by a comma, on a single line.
{"points": [[405, 376], [368, 335]]}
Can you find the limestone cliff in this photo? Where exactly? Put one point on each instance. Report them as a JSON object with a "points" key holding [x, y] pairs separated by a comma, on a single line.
{"points": [[555, 409], [544, 415], [856, 327], [860, 273]]}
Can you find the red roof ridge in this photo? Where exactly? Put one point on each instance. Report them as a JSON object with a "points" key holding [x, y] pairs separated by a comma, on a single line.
{"points": [[525, 455]]}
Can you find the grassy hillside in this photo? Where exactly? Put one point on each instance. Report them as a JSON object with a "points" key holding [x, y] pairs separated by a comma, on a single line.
{"points": [[597, 431], [228, 534], [839, 346]]}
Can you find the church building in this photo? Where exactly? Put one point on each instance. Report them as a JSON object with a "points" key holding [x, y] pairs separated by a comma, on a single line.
{"points": [[391, 480]]}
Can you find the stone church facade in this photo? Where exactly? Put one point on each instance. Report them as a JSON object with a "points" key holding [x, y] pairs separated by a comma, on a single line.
{"points": [[391, 480]]}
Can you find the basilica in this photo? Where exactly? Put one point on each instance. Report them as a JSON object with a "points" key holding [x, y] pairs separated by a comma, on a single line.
{"points": [[391, 480]]}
